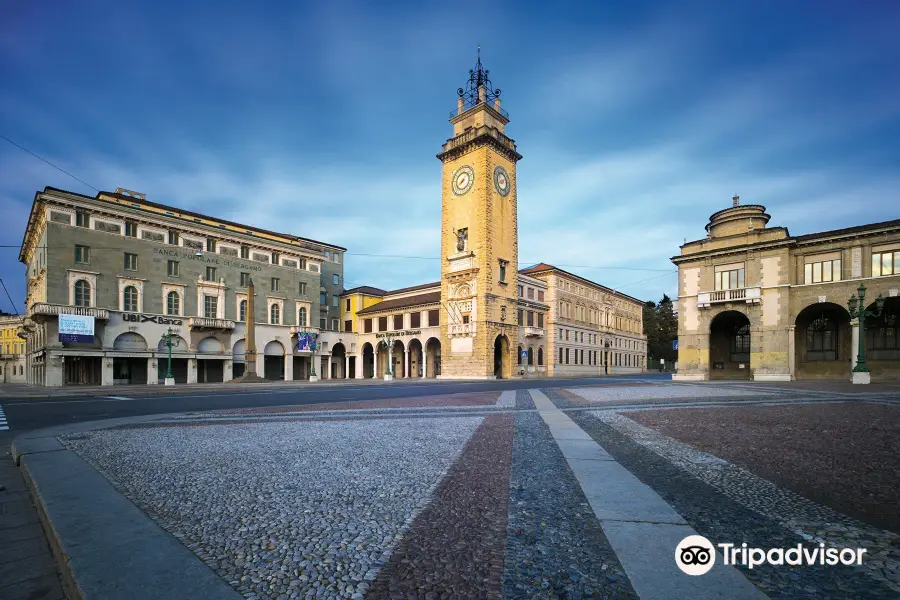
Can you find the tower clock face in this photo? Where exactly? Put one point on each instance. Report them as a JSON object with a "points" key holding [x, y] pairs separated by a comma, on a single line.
{"points": [[463, 180], [501, 181]]}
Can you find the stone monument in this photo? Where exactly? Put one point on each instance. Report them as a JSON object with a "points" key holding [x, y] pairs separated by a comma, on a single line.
{"points": [[250, 375]]}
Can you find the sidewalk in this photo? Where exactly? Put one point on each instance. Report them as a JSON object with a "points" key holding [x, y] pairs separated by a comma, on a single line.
{"points": [[27, 570]]}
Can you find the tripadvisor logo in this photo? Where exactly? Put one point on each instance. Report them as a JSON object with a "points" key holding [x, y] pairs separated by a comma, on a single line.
{"points": [[696, 555]]}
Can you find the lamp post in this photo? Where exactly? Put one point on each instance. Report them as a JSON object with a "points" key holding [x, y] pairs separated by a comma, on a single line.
{"points": [[858, 311], [313, 345], [606, 357], [167, 341], [388, 342]]}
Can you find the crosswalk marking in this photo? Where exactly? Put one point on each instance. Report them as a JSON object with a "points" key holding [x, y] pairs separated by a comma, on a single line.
{"points": [[4, 424], [116, 398]]}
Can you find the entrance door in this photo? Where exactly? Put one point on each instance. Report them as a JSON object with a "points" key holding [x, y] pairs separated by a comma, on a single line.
{"points": [[210, 371]]}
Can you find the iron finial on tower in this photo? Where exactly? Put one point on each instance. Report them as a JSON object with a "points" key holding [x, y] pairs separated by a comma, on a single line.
{"points": [[736, 200]]}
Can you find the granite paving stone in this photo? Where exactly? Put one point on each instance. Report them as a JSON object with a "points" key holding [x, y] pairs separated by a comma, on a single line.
{"points": [[295, 509]]}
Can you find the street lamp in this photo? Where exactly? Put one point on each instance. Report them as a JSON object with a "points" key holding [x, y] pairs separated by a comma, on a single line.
{"points": [[858, 311], [167, 341], [606, 357], [313, 344], [388, 342]]}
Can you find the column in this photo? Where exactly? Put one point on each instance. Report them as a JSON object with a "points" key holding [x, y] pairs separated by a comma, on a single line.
{"points": [[854, 343], [106, 371], [192, 370], [347, 366], [260, 364], [424, 362], [228, 371], [152, 372], [792, 353], [288, 367], [326, 369]]}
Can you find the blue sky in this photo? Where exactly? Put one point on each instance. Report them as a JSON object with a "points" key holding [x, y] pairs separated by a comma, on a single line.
{"points": [[636, 120]]}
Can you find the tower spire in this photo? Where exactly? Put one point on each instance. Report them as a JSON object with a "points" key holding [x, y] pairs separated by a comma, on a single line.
{"points": [[479, 78]]}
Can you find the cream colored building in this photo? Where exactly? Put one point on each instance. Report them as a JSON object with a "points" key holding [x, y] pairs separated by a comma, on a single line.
{"points": [[757, 303]]}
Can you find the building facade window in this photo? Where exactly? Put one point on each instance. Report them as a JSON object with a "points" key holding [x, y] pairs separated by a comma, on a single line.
{"points": [[434, 318], [530, 356], [82, 218], [131, 228], [519, 291], [210, 245], [245, 279], [276, 283], [540, 356], [334, 325], [519, 356], [347, 305], [335, 302], [367, 325], [301, 317], [520, 315], [826, 270], [398, 322], [210, 273], [130, 262], [821, 340], [173, 237], [245, 251], [886, 263], [530, 318], [172, 268], [415, 320], [275, 314], [210, 307], [322, 324], [503, 264], [728, 280], [82, 254], [348, 326], [302, 289], [323, 299], [531, 293], [82, 293], [382, 323], [540, 295], [173, 303], [335, 279], [130, 299], [740, 344]]}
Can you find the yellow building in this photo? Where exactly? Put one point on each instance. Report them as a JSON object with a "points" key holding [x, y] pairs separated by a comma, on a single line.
{"points": [[12, 350], [757, 303]]}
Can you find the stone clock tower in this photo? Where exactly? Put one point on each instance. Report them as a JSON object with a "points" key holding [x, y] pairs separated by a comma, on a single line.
{"points": [[479, 237]]}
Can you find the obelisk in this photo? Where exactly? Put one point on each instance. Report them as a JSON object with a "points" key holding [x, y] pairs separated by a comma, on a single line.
{"points": [[250, 375]]}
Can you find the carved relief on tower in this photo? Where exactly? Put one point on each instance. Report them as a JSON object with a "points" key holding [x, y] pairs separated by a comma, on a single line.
{"points": [[462, 310]]}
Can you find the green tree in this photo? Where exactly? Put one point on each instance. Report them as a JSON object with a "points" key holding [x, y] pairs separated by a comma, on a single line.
{"points": [[661, 328]]}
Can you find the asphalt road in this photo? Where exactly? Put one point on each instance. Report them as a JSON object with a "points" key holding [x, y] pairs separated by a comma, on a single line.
{"points": [[24, 414]]}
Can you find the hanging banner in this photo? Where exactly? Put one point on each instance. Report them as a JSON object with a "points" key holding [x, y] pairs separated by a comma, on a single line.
{"points": [[306, 342], [77, 329]]}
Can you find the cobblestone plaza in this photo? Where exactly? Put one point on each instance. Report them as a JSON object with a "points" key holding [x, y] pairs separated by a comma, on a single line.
{"points": [[541, 493]]}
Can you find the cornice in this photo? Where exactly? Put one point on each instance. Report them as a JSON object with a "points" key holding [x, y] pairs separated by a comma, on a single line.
{"points": [[481, 139]]}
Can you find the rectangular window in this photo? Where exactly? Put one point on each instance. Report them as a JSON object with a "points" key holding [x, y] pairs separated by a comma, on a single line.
{"points": [[327, 255], [521, 318], [322, 323], [540, 317], [210, 307], [275, 284], [348, 326], [245, 279], [530, 318], [817, 272], [503, 264], [540, 295], [245, 251], [173, 237], [567, 356], [415, 320], [323, 299], [275, 258], [82, 218], [210, 245], [885, 263], [367, 325], [334, 325], [130, 262], [82, 254], [434, 318], [567, 335], [210, 273], [730, 279], [398, 322], [347, 305], [335, 279], [560, 356], [302, 288], [335, 302], [531, 293], [131, 229], [519, 291], [172, 268], [382, 323]]}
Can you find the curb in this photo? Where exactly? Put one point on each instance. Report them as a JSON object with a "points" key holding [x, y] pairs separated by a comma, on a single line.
{"points": [[106, 547]]}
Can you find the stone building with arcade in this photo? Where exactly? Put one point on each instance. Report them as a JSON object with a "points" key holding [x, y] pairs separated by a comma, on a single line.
{"points": [[108, 276], [756, 302]]}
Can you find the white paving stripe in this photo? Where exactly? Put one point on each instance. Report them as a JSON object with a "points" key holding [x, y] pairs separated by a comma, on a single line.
{"points": [[641, 527], [507, 399], [4, 424]]}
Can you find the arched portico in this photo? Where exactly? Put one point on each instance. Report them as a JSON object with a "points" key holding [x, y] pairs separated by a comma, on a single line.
{"points": [[822, 342], [729, 346], [415, 358], [274, 360], [883, 340], [432, 357], [338, 361], [368, 361], [399, 360], [501, 357]]}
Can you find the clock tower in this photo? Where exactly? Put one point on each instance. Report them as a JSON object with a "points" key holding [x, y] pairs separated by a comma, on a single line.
{"points": [[479, 237]]}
